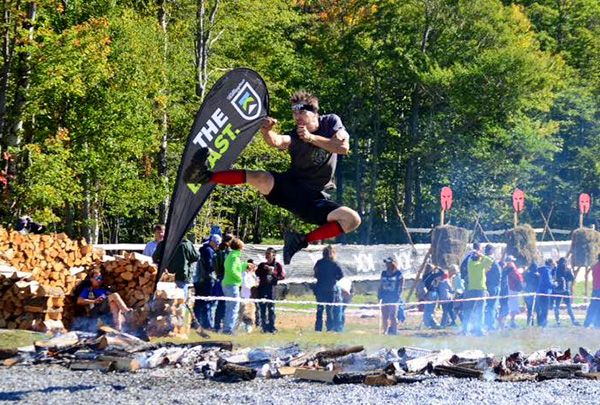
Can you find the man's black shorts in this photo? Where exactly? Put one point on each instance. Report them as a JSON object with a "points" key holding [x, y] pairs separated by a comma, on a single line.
{"points": [[293, 195]]}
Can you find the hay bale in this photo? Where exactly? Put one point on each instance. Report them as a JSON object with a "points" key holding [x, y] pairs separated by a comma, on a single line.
{"points": [[585, 246], [449, 245], [522, 244]]}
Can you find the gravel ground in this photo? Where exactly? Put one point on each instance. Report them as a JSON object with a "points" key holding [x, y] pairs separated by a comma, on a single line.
{"points": [[53, 385]]}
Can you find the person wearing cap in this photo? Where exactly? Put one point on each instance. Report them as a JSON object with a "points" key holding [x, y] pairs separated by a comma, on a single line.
{"points": [[390, 294], [205, 280], [304, 189]]}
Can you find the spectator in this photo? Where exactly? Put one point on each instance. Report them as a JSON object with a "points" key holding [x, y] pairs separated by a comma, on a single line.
{"points": [[592, 318], [563, 282], [219, 309], [246, 313], [477, 267], [159, 235], [345, 287], [232, 281], [25, 225], [445, 292], [390, 293], [268, 273], [100, 304], [515, 286], [205, 280], [532, 279], [503, 312], [431, 282], [458, 285], [181, 264], [544, 290], [492, 282], [327, 273], [464, 272]]}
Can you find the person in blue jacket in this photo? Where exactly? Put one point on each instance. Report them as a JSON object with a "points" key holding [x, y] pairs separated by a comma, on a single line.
{"points": [[545, 286]]}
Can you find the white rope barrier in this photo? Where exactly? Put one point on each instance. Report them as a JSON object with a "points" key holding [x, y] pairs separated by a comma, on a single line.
{"points": [[379, 305]]}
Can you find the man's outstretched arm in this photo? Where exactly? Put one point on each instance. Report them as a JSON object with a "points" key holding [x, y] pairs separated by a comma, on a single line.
{"points": [[338, 143], [272, 138]]}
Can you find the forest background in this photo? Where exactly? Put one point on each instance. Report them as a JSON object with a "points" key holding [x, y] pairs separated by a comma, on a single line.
{"points": [[97, 98]]}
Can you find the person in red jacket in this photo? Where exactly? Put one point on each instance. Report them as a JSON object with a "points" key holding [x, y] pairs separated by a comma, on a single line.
{"points": [[515, 287]]}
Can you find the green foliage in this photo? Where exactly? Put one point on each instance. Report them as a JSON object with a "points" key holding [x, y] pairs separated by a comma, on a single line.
{"points": [[482, 95]]}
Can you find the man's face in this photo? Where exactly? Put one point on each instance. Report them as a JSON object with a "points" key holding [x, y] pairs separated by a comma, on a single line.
{"points": [[159, 235], [269, 256], [97, 280], [308, 119], [391, 267]]}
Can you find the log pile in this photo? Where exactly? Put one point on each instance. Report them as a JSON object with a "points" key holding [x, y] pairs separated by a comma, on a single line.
{"points": [[132, 276], [49, 258], [168, 313], [38, 277]]}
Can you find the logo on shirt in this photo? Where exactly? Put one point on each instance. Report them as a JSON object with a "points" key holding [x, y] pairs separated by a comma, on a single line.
{"points": [[247, 102]]}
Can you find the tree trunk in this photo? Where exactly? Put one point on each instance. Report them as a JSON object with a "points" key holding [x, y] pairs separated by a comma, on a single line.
{"points": [[204, 40], [163, 119], [23, 81], [411, 166], [8, 47]]}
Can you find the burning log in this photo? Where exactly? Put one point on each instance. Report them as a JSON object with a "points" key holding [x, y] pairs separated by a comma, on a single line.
{"points": [[349, 378], [458, 372], [315, 375], [235, 371], [421, 363], [104, 366], [334, 353], [380, 380], [518, 377]]}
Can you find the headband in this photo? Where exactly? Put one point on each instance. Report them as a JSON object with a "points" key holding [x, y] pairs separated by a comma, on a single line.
{"points": [[303, 107]]}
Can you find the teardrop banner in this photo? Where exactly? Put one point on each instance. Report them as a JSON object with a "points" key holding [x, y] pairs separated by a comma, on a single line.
{"points": [[585, 203], [231, 114]]}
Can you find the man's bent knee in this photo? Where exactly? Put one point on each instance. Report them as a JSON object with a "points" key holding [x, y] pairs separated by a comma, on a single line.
{"points": [[263, 181], [347, 218]]}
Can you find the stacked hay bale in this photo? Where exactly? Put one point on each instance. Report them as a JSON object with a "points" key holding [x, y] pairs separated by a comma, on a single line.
{"points": [[521, 243], [585, 246], [449, 244]]}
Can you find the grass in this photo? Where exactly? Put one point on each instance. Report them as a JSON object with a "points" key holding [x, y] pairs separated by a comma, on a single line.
{"points": [[11, 339]]}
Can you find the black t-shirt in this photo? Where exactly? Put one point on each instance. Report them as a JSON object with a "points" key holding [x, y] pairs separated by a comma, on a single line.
{"points": [[310, 164]]}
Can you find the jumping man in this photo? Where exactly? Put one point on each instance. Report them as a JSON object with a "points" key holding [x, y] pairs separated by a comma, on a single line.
{"points": [[303, 190]]}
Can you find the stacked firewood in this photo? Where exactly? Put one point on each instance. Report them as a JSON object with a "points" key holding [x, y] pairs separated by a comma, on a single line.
{"points": [[26, 304], [49, 258], [169, 313], [38, 276], [133, 276]]}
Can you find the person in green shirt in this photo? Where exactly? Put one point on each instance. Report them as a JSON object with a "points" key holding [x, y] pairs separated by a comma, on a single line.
{"points": [[232, 281], [477, 268], [181, 264]]}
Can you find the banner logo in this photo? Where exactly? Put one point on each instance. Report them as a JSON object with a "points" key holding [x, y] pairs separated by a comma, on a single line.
{"points": [[247, 102]]}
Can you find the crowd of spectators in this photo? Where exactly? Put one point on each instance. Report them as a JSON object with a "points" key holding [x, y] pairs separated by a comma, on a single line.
{"points": [[493, 291], [482, 294]]}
